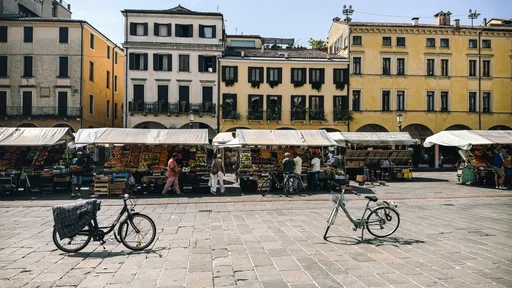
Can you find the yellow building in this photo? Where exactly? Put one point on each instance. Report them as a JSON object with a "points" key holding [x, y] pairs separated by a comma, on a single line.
{"points": [[269, 88], [435, 75], [46, 78]]}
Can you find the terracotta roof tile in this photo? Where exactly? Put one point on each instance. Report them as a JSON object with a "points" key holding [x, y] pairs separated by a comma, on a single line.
{"points": [[410, 25]]}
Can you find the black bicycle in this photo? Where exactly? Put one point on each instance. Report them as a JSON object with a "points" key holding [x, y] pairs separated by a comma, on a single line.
{"points": [[136, 231], [278, 180]]}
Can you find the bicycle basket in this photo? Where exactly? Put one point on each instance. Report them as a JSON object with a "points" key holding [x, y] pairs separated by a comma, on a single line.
{"points": [[335, 197]]}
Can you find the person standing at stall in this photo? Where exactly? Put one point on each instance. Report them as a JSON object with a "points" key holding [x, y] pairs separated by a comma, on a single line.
{"points": [[499, 173], [217, 175], [173, 174], [315, 169], [77, 175], [288, 166]]}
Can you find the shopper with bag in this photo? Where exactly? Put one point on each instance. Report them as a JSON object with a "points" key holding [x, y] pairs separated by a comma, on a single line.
{"points": [[217, 174]]}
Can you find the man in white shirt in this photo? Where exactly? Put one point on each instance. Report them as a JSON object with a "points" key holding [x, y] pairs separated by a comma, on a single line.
{"points": [[315, 163], [298, 164]]}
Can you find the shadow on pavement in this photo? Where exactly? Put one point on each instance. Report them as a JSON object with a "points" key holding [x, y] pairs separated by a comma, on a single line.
{"points": [[424, 179], [392, 241], [110, 254]]}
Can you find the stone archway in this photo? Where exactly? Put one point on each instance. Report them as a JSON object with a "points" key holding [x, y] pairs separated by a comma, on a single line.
{"points": [[458, 127], [28, 125], [64, 125], [422, 155], [418, 131], [150, 125], [500, 127], [372, 128], [286, 128], [330, 130]]}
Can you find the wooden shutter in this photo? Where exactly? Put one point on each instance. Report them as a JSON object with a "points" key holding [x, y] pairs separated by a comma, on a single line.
{"points": [[133, 28], [201, 31], [345, 76], [268, 75], [169, 62], [214, 63], [235, 103], [3, 66], [200, 63], [236, 73], [131, 59], [190, 30], [280, 75], [292, 73], [145, 61], [249, 74], [155, 63], [261, 74], [145, 29], [322, 75], [223, 69], [63, 66], [214, 31], [334, 74], [178, 30], [310, 75], [157, 29], [321, 102], [169, 29], [63, 34]]}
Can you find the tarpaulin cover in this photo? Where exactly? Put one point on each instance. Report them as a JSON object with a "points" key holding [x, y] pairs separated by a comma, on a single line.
{"points": [[222, 138], [142, 136], [34, 136], [464, 139], [374, 138], [284, 137], [231, 144]]}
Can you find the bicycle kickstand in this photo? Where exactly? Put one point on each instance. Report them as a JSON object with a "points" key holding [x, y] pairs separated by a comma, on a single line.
{"points": [[362, 234], [103, 242]]}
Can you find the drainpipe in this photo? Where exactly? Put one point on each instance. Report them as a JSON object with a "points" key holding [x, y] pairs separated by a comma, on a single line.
{"points": [[112, 111], [348, 84], [218, 93], [126, 68], [81, 74], [479, 81]]}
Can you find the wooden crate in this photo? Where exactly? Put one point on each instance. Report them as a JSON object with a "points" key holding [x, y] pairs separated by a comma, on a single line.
{"points": [[101, 186], [117, 191]]}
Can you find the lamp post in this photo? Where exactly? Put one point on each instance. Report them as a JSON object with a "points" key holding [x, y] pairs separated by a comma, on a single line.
{"points": [[191, 118], [473, 16], [347, 12], [399, 118]]}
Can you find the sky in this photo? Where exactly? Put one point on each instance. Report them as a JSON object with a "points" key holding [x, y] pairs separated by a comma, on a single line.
{"points": [[299, 19]]}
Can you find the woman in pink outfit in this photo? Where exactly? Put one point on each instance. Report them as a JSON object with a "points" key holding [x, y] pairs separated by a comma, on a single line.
{"points": [[172, 175]]}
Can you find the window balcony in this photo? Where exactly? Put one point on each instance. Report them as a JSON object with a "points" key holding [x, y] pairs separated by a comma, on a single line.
{"points": [[298, 114], [41, 111], [255, 114], [317, 115], [162, 107], [274, 114]]}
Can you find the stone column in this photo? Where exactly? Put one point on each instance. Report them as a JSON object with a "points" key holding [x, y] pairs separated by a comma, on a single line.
{"points": [[436, 155]]}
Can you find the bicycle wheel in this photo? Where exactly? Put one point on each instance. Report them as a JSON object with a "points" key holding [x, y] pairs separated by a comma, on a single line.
{"points": [[292, 185], [383, 221], [73, 244], [137, 240], [265, 187], [331, 220]]}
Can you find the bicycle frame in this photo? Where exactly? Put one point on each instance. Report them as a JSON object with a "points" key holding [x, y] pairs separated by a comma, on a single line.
{"points": [[357, 223]]}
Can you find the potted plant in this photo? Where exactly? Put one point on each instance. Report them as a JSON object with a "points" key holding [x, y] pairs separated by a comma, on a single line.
{"points": [[298, 84], [229, 83], [273, 83], [255, 84], [317, 86], [183, 106]]}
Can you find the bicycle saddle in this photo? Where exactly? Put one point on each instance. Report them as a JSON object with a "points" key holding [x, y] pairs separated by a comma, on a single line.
{"points": [[372, 198]]}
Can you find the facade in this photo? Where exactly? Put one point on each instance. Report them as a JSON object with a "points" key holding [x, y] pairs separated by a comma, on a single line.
{"points": [[44, 74], [281, 88], [439, 76], [35, 8], [171, 80]]}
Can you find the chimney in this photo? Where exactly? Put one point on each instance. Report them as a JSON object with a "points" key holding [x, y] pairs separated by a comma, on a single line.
{"points": [[442, 18], [457, 23], [415, 21], [447, 21], [484, 22]]}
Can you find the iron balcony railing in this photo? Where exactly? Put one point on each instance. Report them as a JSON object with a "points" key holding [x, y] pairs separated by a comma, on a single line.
{"points": [[298, 114], [316, 115], [41, 111], [255, 114], [162, 107], [273, 114]]}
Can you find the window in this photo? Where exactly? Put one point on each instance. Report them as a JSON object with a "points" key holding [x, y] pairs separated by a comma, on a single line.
{"points": [[274, 75], [28, 34], [63, 35], [431, 42], [91, 71], [473, 43], [207, 64], [162, 62], [108, 108], [243, 43], [3, 34], [4, 66], [138, 29], [386, 100], [115, 111], [208, 32], [386, 66], [91, 104], [162, 30], [316, 108], [486, 44], [340, 78], [400, 41], [184, 99], [184, 30], [274, 104], [208, 106], [138, 61], [63, 67], [430, 101], [386, 41], [472, 102], [28, 66], [298, 76], [486, 102], [115, 57], [400, 66], [316, 75], [431, 68], [298, 104], [255, 107], [230, 74], [108, 52], [472, 68], [340, 108], [444, 101], [138, 98], [229, 106], [445, 43], [108, 79], [115, 83], [357, 65], [255, 75], [91, 41], [184, 63], [486, 68], [445, 68], [357, 40], [400, 100], [356, 100]]}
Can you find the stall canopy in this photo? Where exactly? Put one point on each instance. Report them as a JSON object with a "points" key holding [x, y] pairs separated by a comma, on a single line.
{"points": [[373, 138], [464, 139], [142, 136], [222, 138], [284, 137], [34, 136]]}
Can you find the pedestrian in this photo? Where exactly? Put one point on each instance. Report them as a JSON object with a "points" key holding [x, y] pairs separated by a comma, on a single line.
{"points": [[441, 158], [77, 174], [288, 167], [173, 174], [298, 164], [499, 174], [217, 175], [315, 163]]}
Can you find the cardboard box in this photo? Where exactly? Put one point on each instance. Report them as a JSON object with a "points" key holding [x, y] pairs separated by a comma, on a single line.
{"points": [[361, 178], [406, 170], [399, 175], [117, 186]]}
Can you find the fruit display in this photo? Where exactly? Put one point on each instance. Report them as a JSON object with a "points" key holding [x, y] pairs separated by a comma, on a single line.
{"points": [[115, 159]]}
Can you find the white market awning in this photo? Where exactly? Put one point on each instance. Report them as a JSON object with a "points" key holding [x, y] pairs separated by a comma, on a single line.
{"points": [[142, 136], [464, 139], [338, 138], [231, 144], [377, 138], [34, 136], [284, 137], [222, 138]]}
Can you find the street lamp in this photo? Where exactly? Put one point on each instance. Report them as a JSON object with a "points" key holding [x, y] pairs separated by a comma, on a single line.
{"points": [[473, 16], [399, 118], [191, 118], [347, 12]]}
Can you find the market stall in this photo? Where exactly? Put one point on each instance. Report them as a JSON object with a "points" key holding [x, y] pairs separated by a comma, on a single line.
{"points": [[36, 158], [143, 154], [375, 155], [477, 149], [262, 151]]}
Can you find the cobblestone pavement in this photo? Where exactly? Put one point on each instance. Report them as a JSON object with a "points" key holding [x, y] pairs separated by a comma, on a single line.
{"points": [[450, 236]]}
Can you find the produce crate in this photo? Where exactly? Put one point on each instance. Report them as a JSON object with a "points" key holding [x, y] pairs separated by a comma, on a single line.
{"points": [[101, 186]]}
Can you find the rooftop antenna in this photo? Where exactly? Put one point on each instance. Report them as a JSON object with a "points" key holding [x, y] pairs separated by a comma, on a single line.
{"points": [[347, 12], [473, 16], [217, 8], [236, 31]]}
